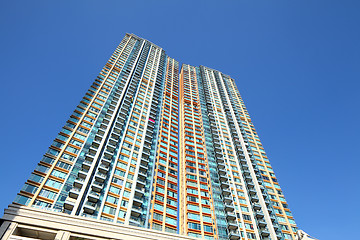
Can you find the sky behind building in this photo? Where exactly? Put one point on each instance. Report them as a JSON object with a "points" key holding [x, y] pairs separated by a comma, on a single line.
{"points": [[296, 65]]}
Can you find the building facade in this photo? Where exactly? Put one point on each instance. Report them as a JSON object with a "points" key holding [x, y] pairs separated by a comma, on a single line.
{"points": [[151, 147]]}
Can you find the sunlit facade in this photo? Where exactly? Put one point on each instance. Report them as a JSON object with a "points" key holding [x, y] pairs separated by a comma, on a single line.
{"points": [[163, 147]]}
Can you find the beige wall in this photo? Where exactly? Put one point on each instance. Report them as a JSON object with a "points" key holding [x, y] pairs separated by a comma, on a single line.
{"points": [[31, 223]]}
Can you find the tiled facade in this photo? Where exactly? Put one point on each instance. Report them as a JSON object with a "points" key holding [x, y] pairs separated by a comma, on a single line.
{"points": [[151, 147]]}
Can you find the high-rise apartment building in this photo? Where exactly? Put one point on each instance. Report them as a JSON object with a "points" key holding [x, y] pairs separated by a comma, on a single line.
{"points": [[151, 147]]}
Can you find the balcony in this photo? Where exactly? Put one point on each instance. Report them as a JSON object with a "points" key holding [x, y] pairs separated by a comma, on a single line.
{"points": [[232, 225], [134, 221], [144, 161], [82, 173], [86, 164], [261, 223], [227, 199], [248, 179], [138, 200], [139, 191], [103, 168], [142, 175], [229, 207], [220, 159], [233, 235], [108, 155], [264, 233], [100, 177], [250, 185], [216, 143], [224, 185], [242, 159], [256, 206], [145, 154], [112, 142], [106, 161], [92, 151], [148, 136], [93, 196], [246, 172], [89, 157], [79, 182], [74, 192], [136, 211], [252, 191], [218, 154], [147, 147], [97, 186], [221, 166], [259, 214], [226, 191], [222, 171], [230, 215], [254, 198], [223, 177], [143, 168], [69, 203], [141, 182], [89, 207]]}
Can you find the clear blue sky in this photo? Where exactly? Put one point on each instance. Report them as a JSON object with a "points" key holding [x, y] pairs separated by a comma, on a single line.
{"points": [[296, 63]]}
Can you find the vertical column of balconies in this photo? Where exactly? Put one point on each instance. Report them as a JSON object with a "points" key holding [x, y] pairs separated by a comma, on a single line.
{"points": [[257, 209], [132, 197], [163, 208], [99, 158], [227, 201], [85, 161], [142, 188], [197, 200], [151, 139], [215, 174], [249, 184], [258, 160]]}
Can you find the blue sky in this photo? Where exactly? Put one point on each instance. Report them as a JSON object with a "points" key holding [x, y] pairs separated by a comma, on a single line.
{"points": [[296, 64]]}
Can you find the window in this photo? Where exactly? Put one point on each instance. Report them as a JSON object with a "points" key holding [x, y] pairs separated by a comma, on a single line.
{"points": [[63, 165], [193, 216], [29, 188], [58, 174], [35, 178], [171, 221], [124, 203], [171, 211], [42, 168], [158, 207], [207, 219], [193, 207], [208, 228], [109, 210], [114, 190], [158, 216], [53, 183], [195, 226], [112, 199], [122, 214], [22, 200], [47, 194]]}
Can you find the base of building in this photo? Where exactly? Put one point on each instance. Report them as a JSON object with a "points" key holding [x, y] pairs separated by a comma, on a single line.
{"points": [[26, 223]]}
